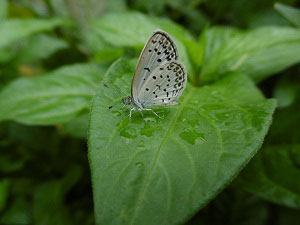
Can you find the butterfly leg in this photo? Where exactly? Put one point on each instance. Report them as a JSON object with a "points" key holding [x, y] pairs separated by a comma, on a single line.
{"points": [[153, 113], [156, 114], [130, 112], [140, 110]]}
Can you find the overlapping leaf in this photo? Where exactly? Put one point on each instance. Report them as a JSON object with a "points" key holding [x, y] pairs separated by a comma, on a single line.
{"points": [[161, 171], [258, 53], [290, 13], [134, 29], [53, 98], [17, 29], [39, 47], [273, 173]]}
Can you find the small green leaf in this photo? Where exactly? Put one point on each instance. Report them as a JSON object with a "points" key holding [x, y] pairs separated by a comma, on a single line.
{"points": [[273, 175], [39, 47], [53, 98], [96, 46], [161, 171], [233, 206], [215, 38], [290, 13], [4, 193], [3, 9], [17, 213], [125, 29], [78, 126], [18, 29], [50, 197], [286, 92], [259, 53]]}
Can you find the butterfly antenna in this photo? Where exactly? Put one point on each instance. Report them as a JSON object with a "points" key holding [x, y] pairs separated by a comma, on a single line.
{"points": [[116, 93], [109, 107]]}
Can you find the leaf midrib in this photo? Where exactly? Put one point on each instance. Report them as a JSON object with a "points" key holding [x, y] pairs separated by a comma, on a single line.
{"points": [[168, 131]]}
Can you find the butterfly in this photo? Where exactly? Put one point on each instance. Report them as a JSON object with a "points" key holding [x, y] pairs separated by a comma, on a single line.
{"points": [[159, 77]]}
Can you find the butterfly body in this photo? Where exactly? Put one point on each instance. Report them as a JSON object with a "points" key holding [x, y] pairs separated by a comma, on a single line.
{"points": [[159, 79]]}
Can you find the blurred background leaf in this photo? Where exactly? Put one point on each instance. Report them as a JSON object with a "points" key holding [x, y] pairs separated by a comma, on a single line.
{"points": [[259, 53], [290, 13], [52, 98], [272, 173], [3, 10], [17, 29]]}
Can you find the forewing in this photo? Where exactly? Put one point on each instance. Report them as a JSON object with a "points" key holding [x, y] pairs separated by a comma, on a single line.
{"points": [[164, 85], [160, 48]]}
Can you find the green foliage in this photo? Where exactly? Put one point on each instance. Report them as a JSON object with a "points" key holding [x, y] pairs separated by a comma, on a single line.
{"points": [[65, 65], [143, 158], [50, 99], [17, 29], [280, 156], [4, 185], [290, 13], [52, 193], [133, 30], [3, 9], [31, 50], [266, 175], [259, 53]]}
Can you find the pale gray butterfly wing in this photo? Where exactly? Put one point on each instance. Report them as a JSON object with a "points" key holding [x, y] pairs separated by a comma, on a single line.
{"points": [[160, 48], [164, 85]]}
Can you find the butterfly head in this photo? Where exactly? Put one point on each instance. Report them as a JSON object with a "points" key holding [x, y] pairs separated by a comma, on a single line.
{"points": [[128, 100]]}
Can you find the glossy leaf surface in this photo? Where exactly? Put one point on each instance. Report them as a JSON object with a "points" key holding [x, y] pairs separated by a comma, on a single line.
{"points": [[160, 171]]}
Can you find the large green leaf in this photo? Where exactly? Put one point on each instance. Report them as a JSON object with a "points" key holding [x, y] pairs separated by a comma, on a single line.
{"points": [[18, 29], [161, 171], [53, 98], [259, 53]]}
